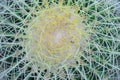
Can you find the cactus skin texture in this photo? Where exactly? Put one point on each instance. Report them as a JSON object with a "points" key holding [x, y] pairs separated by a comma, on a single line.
{"points": [[59, 40]]}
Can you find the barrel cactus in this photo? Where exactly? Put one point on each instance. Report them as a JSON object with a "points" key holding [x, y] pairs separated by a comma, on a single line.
{"points": [[59, 40]]}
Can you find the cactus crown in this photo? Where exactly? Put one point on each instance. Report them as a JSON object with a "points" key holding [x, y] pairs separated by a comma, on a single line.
{"points": [[55, 34]]}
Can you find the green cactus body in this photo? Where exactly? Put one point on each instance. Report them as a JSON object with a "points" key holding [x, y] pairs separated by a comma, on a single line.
{"points": [[59, 40]]}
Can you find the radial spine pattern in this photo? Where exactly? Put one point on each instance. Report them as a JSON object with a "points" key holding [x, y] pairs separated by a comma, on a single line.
{"points": [[59, 40]]}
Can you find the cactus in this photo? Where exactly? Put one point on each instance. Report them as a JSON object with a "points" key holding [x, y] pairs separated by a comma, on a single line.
{"points": [[59, 40]]}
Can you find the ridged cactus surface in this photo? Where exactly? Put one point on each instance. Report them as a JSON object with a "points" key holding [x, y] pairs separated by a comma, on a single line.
{"points": [[59, 40]]}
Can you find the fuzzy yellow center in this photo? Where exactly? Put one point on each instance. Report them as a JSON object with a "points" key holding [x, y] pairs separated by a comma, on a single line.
{"points": [[56, 34]]}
